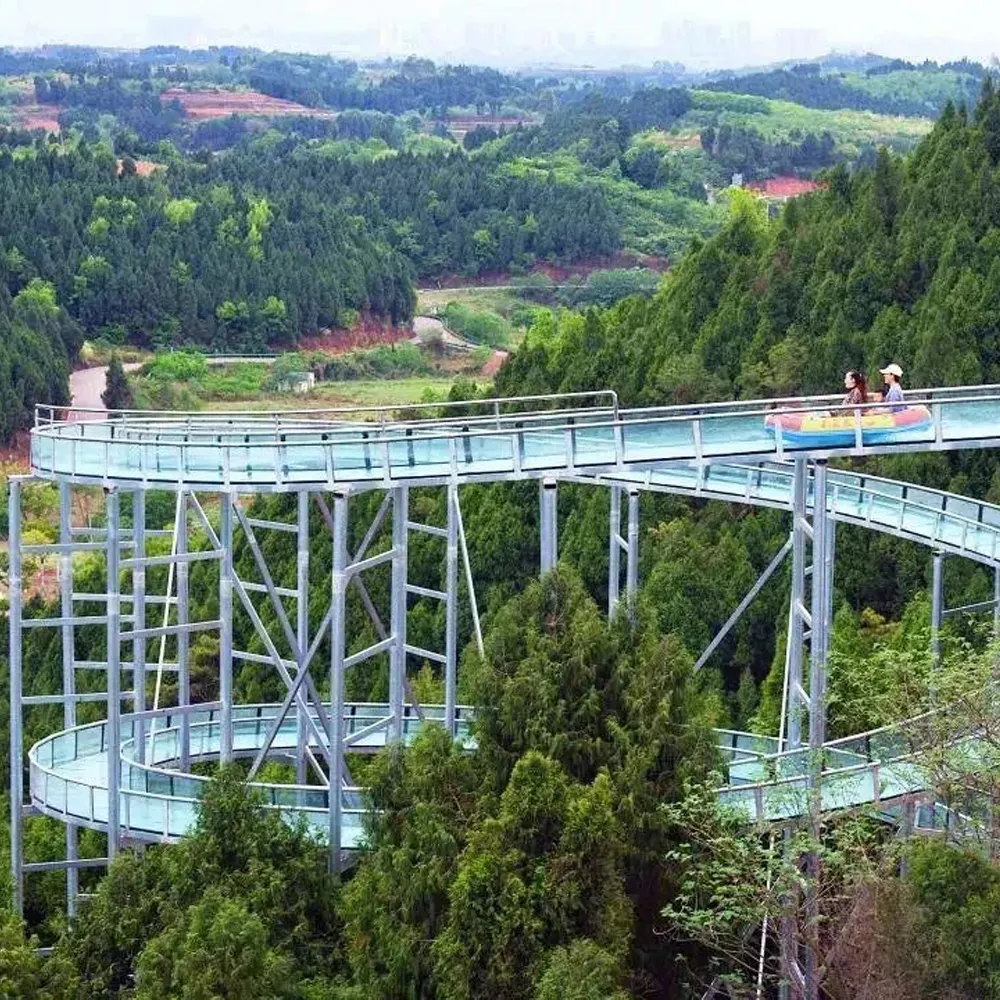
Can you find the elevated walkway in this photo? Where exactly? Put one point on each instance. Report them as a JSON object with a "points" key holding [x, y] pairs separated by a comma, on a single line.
{"points": [[68, 770], [482, 441], [766, 453]]}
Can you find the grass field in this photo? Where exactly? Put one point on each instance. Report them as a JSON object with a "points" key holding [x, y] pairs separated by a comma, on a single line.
{"points": [[778, 119], [499, 300], [331, 395]]}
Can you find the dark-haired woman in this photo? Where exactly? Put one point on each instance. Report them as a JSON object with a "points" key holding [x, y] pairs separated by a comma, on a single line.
{"points": [[857, 389]]}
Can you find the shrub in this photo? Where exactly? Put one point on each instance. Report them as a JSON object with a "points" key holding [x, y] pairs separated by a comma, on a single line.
{"points": [[479, 327]]}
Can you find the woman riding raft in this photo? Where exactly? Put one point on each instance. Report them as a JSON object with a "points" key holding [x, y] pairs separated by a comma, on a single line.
{"points": [[866, 424]]}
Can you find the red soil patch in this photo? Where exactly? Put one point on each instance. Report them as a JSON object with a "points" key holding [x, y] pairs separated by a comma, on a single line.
{"points": [[784, 187], [144, 168], [495, 363], [204, 104], [557, 272], [39, 117], [367, 333], [459, 125]]}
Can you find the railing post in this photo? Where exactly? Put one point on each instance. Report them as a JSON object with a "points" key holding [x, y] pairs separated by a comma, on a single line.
{"points": [[69, 670], [549, 525], [226, 627], [397, 654], [16, 720], [114, 671], [451, 611], [337, 643]]}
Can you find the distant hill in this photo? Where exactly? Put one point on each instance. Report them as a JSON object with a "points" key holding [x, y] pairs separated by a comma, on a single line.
{"points": [[899, 262], [865, 83]]}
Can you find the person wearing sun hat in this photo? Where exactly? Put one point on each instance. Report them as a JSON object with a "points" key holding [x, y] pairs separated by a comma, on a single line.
{"points": [[891, 375]]}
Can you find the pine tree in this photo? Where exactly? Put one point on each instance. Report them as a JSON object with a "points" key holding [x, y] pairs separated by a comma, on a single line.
{"points": [[117, 395]]}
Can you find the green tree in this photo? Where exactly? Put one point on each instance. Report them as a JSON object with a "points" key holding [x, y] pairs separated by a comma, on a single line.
{"points": [[215, 949], [117, 393], [582, 971], [25, 975]]}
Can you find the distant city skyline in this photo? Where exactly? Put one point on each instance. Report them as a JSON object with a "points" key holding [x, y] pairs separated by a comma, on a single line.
{"points": [[711, 34]]}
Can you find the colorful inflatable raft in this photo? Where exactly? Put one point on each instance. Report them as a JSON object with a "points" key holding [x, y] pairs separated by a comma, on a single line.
{"points": [[837, 430]]}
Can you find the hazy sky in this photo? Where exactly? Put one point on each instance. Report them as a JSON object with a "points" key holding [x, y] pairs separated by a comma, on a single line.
{"points": [[698, 33]]}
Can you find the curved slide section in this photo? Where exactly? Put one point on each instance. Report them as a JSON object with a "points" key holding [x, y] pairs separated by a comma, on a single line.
{"points": [[946, 521], [482, 441], [159, 802], [723, 451], [68, 770]]}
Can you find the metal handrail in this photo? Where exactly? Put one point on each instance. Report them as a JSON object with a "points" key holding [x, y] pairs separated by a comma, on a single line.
{"points": [[397, 432], [839, 477], [313, 414], [964, 393]]}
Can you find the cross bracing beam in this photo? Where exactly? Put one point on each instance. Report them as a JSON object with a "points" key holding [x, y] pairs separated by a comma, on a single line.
{"points": [[766, 575], [320, 726], [301, 657]]}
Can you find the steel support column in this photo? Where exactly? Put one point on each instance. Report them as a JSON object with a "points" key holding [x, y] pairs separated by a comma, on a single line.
{"points": [[996, 603], [226, 626], [615, 549], [937, 605], [820, 630], [139, 618], [113, 727], [183, 618], [16, 720], [397, 625], [830, 563], [548, 525], [632, 550], [451, 612], [818, 644], [796, 631], [338, 634], [799, 948], [302, 629], [69, 671]]}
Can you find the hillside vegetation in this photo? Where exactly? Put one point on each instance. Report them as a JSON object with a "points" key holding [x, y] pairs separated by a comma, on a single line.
{"points": [[578, 852], [901, 262]]}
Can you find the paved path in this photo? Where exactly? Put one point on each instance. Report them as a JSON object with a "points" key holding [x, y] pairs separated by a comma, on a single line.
{"points": [[427, 327], [85, 388], [87, 384]]}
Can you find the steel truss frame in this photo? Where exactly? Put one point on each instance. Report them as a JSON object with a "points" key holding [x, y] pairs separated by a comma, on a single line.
{"points": [[289, 647], [940, 611]]}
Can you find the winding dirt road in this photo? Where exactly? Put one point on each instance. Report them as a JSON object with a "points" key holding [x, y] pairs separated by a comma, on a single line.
{"points": [[85, 388]]}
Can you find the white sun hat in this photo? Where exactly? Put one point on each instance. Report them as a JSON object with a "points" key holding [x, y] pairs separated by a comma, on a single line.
{"points": [[892, 370]]}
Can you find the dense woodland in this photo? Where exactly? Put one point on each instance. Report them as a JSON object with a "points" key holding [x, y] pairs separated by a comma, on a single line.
{"points": [[892, 87], [896, 262], [578, 852]]}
